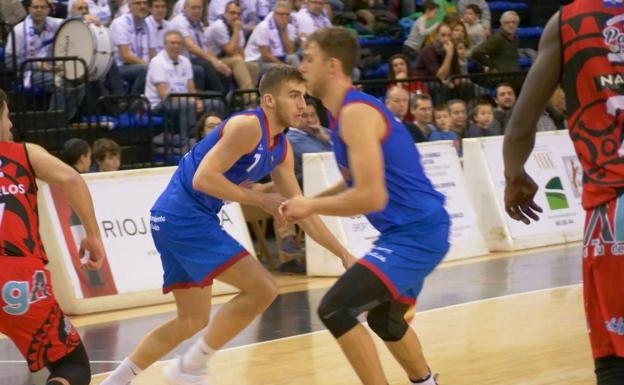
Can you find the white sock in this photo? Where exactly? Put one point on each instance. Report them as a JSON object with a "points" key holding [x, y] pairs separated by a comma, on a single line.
{"points": [[124, 374], [428, 380], [196, 358]]}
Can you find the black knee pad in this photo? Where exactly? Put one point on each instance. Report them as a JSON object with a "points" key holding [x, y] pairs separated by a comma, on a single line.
{"points": [[610, 370], [357, 291], [388, 320], [74, 368]]}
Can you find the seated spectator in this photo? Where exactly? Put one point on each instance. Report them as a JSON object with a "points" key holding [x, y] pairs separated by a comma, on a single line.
{"points": [[157, 24], [438, 58], [459, 116], [462, 57], [471, 17], [207, 68], [107, 155], [422, 27], [499, 53], [442, 123], [459, 33], [422, 109], [225, 37], [483, 123], [310, 17], [273, 41], [309, 137], [33, 37], [505, 99], [77, 153], [557, 109], [97, 8], [399, 69], [133, 49], [206, 123], [248, 16], [397, 101], [480, 8], [170, 72]]}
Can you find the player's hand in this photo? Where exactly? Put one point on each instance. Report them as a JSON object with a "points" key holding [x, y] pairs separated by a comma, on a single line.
{"points": [[96, 253], [271, 203], [296, 209], [519, 198]]}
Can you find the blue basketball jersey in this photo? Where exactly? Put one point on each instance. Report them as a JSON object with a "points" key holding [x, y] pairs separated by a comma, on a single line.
{"points": [[411, 197], [180, 198]]}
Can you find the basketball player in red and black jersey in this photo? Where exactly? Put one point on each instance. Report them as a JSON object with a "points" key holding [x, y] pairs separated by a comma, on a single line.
{"points": [[29, 313], [583, 48]]}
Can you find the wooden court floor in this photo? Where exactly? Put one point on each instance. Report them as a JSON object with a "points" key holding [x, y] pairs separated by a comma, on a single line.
{"points": [[505, 319]]}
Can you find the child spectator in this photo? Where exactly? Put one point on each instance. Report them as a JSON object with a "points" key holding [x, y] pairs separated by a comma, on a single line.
{"points": [[483, 123], [442, 122], [107, 154]]}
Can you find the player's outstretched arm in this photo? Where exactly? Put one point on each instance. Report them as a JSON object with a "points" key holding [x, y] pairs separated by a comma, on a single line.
{"points": [[333, 190], [539, 86], [56, 173], [241, 135], [362, 129], [286, 184]]}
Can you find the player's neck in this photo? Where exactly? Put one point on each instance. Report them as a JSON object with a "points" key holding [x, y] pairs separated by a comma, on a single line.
{"points": [[335, 94], [276, 126]]}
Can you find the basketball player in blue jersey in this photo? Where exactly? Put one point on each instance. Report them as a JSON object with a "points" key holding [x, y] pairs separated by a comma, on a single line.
{"points": [[384, 179], [195, 249]]}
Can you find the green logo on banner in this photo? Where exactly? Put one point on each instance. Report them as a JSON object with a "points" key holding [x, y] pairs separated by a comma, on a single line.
{"points": [[555, 196]]}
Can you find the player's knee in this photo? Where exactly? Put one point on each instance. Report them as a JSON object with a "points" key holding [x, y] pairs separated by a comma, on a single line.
{"points": [[190, 325], [387, 325], [335, 315], [610, 370], [266, 292]]}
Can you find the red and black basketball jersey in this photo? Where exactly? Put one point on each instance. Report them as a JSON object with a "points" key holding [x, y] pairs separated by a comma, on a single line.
{"points": [[19, 218], [592, 43]]}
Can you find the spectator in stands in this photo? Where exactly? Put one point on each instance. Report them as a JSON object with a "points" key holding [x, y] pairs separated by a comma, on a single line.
{"points": [[273, 40], [557, 109], [438, 58], [309, 137], [505, 99], [133, 46], [33, 37], [463, 55], [471, 17], [499, 53], [459, 33], [422, 109], [483, 123], [421, 28], [96, 8], [398, 69], [481, 10], [157, 24], [207, 66], [310, 17], [170, 72], [206, 123], [459, 116], [397, 101], [248, 17], [225, 37], [77, 153], [442, 123], [107, 154]]}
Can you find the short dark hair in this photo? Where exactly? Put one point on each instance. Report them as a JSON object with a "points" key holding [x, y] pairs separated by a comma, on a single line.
{"points": [[232, 2], [481, 102], [504, 84], [440, 108], [339, 43], [73, 149], [418, 97], [474, 8], [276, 76], [429, 5], [103, 147]]}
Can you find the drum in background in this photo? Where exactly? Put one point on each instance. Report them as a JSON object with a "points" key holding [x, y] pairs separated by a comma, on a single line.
{"points": [[90, 42]]}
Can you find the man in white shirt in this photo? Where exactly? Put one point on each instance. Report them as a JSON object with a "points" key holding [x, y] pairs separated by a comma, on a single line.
{"points": [[157, 24], [97, 8], [207, 67], [217, 9], [133, 46], [225, 37], [273, 40], [170, 72], [311, 16], [34, 38]]}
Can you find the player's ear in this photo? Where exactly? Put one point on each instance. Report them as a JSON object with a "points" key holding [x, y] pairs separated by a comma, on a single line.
{"points": [[269, 100], [334, 65]]}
